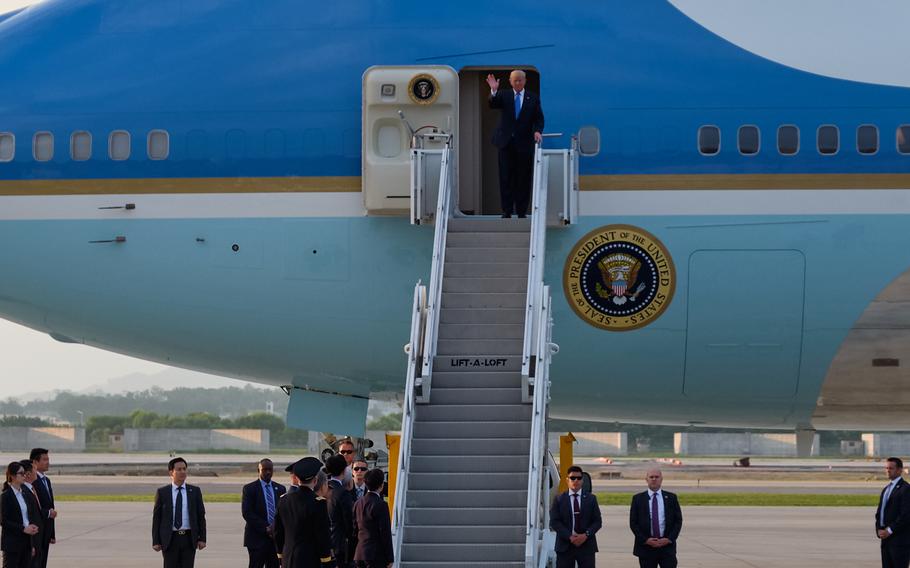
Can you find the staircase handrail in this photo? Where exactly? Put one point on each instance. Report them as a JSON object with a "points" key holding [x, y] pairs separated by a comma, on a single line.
{"points": [[536, 256], [414, 350], [444, 208], [422, 348]]}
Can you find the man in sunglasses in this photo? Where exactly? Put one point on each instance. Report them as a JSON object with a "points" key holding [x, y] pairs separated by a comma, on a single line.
{"points": [[655, 519], [575, 518], [360, 471]]}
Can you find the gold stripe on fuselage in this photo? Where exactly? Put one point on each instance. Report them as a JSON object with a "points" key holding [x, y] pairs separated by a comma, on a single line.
{"points": [[349, 184]]}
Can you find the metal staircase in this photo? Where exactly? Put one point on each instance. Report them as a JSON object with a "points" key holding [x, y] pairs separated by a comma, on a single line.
{"points": [[474, 474]]}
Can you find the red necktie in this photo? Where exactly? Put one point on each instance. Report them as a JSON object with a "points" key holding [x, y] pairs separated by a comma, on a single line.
{"points": [[655, 518]]}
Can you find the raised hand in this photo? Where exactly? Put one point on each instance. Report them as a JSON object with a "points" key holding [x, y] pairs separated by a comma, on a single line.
{"points": [[493, 82]]}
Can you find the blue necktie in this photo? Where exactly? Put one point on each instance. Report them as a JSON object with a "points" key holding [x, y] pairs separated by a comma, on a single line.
{"points": [[517, 104], [269, 504]]}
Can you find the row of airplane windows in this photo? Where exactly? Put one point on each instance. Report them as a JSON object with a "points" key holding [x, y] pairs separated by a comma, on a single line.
{"points": [[827, 140], [748, 141], [119, 146]]}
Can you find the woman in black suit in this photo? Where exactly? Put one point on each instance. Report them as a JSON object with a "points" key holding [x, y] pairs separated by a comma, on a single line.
{"points": [[17, 532]]}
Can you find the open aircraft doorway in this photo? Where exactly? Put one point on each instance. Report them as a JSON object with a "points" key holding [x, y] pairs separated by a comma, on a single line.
{"points": [[478, 159]]}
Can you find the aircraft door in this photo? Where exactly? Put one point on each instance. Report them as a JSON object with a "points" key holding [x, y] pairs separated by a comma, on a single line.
{"points": [[402, 107]]}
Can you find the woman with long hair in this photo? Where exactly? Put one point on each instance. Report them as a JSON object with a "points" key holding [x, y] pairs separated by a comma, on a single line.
{"points": [[17, 531]]}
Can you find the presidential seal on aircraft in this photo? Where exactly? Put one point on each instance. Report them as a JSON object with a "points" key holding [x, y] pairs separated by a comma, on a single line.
{"points": [[619, 278]]}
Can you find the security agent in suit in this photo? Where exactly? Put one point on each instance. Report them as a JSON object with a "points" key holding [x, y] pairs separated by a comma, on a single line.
{"points": [[373, 525], [575, 518], [18, 531], [31, 497], [520, 126], [340, 506], [655, 518], [41, 462], [178, 519], [892, 517], [258, 506], [302, 523]]}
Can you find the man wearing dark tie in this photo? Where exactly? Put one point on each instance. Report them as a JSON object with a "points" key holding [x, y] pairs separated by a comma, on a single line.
{"points": [[258, 505], [575, 518], [520, 126], [656, 520], [34, 505], [178, 519], [41, 462], [892, 517], [340, 506]]}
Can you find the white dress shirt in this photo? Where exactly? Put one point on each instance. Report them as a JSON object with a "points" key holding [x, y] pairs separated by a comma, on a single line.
{"points": [[885, 498], [185, 521], [661, 518], [521, 96], [23, 508], [572, 506]]}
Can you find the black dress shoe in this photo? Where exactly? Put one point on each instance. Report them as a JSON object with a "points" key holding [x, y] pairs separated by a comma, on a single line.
{"points": [[506, 216]]}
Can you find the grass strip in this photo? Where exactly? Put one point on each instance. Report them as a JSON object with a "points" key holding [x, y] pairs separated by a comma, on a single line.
{"points": [[685, 499], [755, 499]]}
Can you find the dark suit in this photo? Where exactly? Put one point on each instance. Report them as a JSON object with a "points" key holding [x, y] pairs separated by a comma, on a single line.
{"points": [[567, 554], [15, 544], [39, 560], [515, 139], [374, 532], [896, 548], [256, 538], [46, 496], [640, 523], [179, 550], [340, 505], [302, 531]]}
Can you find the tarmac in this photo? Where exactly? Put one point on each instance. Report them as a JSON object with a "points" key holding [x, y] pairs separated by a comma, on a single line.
{"points": [[119, 534]]}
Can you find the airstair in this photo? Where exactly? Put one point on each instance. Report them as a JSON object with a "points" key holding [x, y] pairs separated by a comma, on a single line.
{"points": [[474, 475]]}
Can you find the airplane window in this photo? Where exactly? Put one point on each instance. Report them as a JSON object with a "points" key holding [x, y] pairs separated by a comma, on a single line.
{"points": [[43, 146], [118, 145], [7, 146], [903, 138], [828, 139], [788, 140], [748, 140], [159, 145], [709, 140], [867, 139], [81, 146]]}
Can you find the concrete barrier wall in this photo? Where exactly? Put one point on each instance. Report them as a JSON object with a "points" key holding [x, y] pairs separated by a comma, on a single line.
{"points": [[737, 444], [594, 443], [887, 445], [21, 438], [166, 439]]}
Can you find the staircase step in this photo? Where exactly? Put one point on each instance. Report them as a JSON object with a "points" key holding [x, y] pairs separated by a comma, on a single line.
{"points": [[485, 269], [472, 413], [488, 395], [495, 552], [475, 380], [517, 465], [473, 534], [471, 446], [487, 240], [466, 481], [485, 285], [468, 498], [482, 315], [447, 430], [487, 254], [481, 331], [475, 224], [478, 363], [479, 300], [481, 346], [465, 516]]}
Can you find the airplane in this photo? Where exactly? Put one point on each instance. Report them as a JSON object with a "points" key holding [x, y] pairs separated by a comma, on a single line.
{"points": [[190, 183]]}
